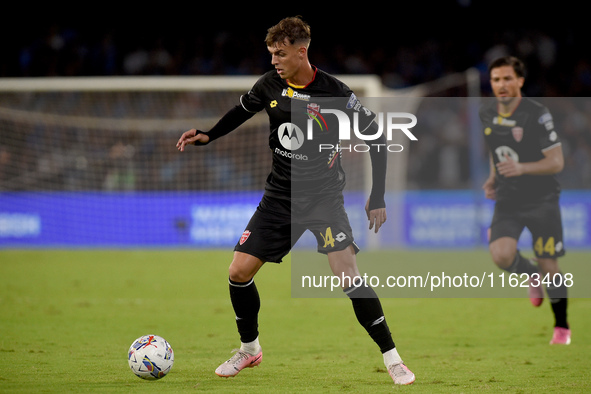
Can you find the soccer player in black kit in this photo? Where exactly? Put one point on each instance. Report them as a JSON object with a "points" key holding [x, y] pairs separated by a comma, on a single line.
{"points": [[302, 192], [525, 155]]}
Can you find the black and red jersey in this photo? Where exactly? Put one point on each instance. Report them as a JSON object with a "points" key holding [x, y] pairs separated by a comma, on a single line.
{"points": [[523, 135], [301, 135]]}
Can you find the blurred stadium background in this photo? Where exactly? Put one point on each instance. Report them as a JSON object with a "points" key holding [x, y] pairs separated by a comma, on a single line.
{"points": [[90, 111]]}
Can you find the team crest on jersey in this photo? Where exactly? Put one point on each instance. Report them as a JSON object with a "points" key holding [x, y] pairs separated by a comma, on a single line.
{"points": [[313, 111], [244, 236], [517, 133]]}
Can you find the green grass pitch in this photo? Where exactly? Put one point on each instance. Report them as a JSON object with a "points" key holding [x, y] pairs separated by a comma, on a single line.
{"points": [[67, 319]]}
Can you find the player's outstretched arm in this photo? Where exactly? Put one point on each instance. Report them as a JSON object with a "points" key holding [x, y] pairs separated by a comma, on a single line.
{"points": [[375, 208], [229, 122]]}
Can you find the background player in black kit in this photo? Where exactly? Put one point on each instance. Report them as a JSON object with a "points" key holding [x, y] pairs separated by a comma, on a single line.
{"points": [[302, 192], [525, 155]]}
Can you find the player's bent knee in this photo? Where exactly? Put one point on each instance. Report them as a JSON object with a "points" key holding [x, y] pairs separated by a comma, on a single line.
{"points": [[503, 258], [503, 251], [237, 274], [243, 268]]}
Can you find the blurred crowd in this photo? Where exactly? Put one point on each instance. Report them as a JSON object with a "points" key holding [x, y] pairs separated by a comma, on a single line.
{"points": [[557, 63], [558, 66]]}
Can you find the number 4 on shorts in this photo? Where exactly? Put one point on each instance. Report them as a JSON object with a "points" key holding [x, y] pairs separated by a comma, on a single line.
{"points": [[540, 247], [328, 239]]}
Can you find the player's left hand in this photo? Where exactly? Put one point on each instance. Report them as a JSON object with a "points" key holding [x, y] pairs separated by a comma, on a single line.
{"points": [[376, 217], [190, 138], [509, 167]]}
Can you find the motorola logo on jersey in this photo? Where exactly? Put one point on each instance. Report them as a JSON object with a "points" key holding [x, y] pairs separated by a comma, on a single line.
{"points": [[290, 136], [504, 151]]}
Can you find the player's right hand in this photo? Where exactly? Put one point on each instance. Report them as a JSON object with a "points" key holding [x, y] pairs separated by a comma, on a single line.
{"points": [[191, 137], [376, 217], [489, 189]]}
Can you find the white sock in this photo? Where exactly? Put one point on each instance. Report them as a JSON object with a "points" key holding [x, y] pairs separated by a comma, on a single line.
{"points": [[391, 357], [253, 348]]}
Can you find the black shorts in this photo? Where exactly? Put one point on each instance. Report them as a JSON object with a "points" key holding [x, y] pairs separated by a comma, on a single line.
{"points": [[278, 223], [543, 220]]}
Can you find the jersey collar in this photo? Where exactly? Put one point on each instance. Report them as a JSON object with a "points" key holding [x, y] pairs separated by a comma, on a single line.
{"points": [[306, 85], [507, 114]]}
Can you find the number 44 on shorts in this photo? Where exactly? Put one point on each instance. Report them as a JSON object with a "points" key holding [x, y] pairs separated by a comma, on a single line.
{"points": [[548, 247]]}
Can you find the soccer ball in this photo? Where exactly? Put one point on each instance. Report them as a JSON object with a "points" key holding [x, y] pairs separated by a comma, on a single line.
{"points": [[150, 357]]}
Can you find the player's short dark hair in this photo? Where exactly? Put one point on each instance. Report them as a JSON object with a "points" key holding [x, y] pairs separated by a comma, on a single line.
{"points": [[512, 61], [294, 29]]}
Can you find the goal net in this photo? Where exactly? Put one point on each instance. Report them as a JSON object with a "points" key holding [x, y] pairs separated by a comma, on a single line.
{"points": [[93, 161]]}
